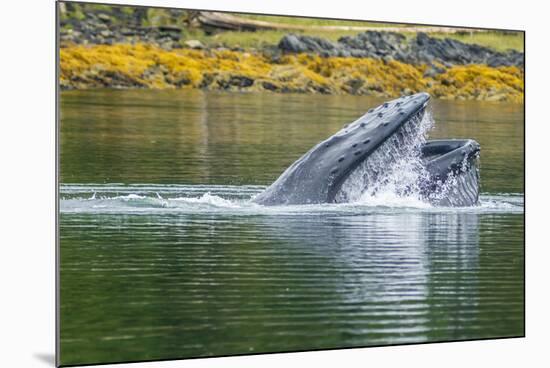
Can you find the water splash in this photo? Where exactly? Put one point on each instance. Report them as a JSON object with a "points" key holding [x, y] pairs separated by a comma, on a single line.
{"points": [[464, 183], [393, 172], [235, 200], [209, 199]]}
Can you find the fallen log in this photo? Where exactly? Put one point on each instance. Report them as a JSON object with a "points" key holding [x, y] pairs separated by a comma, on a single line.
{"points": [[224, 21]]}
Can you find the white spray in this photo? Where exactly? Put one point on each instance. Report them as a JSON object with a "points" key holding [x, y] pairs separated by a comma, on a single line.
{"points": [[392, 173]]}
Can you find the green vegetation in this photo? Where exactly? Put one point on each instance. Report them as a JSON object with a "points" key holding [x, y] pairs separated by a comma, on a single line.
{"points": [[155, 17], [303, 21]]}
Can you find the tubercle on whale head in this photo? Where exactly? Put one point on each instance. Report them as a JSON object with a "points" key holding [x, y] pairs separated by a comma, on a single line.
{"points": [[395, 111]]}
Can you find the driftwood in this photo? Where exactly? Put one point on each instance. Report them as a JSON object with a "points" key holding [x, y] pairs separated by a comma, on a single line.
{"points": [[224, 21], [166, 28]]}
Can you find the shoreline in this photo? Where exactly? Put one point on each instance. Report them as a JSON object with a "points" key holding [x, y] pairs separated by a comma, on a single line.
{"points": [[144, 65]]}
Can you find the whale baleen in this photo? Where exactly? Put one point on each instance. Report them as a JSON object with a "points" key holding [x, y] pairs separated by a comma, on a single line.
{"points": [[453, 174]]}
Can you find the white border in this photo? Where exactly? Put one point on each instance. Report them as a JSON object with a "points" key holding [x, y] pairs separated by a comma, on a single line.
{"points": [[27, 185]]}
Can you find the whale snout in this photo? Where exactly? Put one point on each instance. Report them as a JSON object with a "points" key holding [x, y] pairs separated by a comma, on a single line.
{"points": [[422, 96], [417, 101]]}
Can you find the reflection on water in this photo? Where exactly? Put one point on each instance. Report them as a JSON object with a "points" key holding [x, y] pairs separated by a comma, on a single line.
{"points": [[177, 263]]}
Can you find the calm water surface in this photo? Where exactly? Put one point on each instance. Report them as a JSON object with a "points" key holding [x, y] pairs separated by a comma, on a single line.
{"points": [[163, 256]]}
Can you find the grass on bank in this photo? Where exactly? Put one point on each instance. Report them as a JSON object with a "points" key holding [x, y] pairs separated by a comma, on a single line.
{"points": [[306, 21]]}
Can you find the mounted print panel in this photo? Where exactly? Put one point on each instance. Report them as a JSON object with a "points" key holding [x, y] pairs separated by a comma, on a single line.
{"points": [[235, 184]]}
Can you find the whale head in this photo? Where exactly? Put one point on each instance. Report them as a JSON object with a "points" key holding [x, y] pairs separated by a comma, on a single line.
{"points": [[318, 175]]}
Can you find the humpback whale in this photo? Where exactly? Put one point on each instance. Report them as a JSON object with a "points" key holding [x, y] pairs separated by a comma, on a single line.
{"points": [[359, 157]]}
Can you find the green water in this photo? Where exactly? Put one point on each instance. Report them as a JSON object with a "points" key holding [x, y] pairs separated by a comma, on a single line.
{"points": [[162, 256]]}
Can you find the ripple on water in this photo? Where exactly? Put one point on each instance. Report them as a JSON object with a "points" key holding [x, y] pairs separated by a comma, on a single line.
{"points": [[200, 271], [149, 198]]}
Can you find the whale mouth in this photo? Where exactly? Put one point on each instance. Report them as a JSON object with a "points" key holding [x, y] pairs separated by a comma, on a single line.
{"points": [[396, 165], [453, 167], [381, 152]]}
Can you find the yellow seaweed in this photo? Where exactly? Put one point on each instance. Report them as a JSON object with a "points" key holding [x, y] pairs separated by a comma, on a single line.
{"points": [[148, 66]]}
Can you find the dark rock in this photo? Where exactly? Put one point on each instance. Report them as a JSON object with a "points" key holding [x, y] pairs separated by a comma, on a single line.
{"points": [[234, 82], [387, 46], [269, 86], [298, 44], [353, 85], [241, 81], [291, 43], [207, 79], [447, 82], [184, 81], [512, 58]]}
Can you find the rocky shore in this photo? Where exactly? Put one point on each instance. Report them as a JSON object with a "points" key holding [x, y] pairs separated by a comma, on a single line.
{"points": [[122, 47], [108, 29], [421, 49], [147, 66]]}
